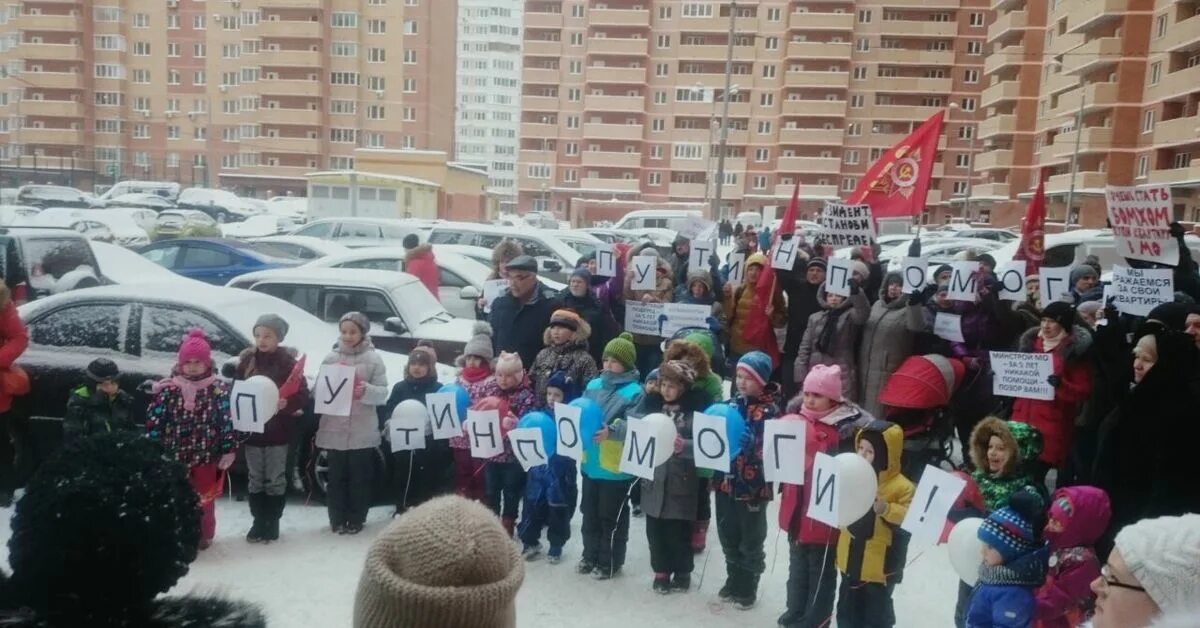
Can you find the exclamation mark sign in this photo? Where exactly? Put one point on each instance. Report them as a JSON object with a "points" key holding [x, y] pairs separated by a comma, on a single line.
{"points": [[929, 502]]}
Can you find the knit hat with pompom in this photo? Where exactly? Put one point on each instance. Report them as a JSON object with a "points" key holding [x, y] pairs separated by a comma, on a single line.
{"points": [[480, 344], [195, 347], [622, 350]]}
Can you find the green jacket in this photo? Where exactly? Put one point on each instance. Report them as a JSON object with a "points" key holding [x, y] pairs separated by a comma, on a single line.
{"points": [[90, 412]]}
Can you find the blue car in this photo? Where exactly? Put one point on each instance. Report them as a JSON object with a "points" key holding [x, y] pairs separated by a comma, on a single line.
{"points": [[211, 260]]}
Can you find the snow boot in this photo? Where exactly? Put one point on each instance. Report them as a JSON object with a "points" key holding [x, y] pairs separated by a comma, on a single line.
{"points": [[681, 582], [699, 536], [788, 618], [604, 573], [554, 556], [662, 583], [509, 525], [274, 513], [747, 593], [258, 512], [585, 567], [532, 552], [732, 581]]}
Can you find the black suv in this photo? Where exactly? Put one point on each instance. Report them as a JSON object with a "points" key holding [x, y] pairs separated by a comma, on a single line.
{"points": [[43, 196], [40, 261]]}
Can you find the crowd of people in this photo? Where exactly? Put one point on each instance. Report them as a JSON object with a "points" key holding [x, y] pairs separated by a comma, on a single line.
{"points": [[1085, 498]]}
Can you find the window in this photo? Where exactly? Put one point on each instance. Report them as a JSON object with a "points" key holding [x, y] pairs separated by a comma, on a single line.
{"points": [[968, 104], [199, 51], [576, 39], [966, 132], [1181, 160], [95, 326], [141, 131], [857, 101], [860, 72], [1143, 167], [654, 178], [960, 188], [173, 49], [863, 44], [575, 67], [962, 160], [572, 148], [774, 14], [344, 19], [768, 70], [410, 56], [577, 10], [976, 20], [664, 41], [662, 69], [762, 155], [685, 150], [409, 114], [379, 27], [348, 107], [343, 78], [657, 125], [141, 77], [771, 43], [198, 21], [849, 183], [109, 70], [141, 20], [376, 55], [766, 99], [974, 47], [864, 16], [764, 127], [971, 76], [379, 83], [1160, 26], [656, 151], [172, 132], [854, 129], [231, 51], [343, 136], [107, 14], [410, 27], [538, 171], [344, 49], [696, 9], [1148, 122], [376, 112], [664, 12], [409, 86], [570, 175], [1155, 72], [163, 328], [759, 182], [851, 157]]}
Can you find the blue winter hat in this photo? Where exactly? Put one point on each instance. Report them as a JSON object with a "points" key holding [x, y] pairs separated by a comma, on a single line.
{"points": [[652, 376], [1011, 530], [757, 365], [560, 380]]}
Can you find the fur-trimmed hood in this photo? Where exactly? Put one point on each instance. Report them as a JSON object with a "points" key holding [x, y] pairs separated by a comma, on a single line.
{"points": [[1019, 438], [691, 353], [168, 612], [426, 250], [1074, 348]]}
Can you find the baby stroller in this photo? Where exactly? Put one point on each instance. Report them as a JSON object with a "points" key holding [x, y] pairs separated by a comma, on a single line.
{"points": [[917, 397]]}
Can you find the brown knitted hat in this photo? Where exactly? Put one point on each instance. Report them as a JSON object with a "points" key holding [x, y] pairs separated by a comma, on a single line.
{"points": [[447, 562]]}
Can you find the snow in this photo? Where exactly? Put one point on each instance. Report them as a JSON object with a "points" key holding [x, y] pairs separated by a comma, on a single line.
{"points": [[309, 578]]}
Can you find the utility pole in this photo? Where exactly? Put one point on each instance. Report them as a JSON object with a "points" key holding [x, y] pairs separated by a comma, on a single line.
{"points": [[1075, 153], [720, 182]]}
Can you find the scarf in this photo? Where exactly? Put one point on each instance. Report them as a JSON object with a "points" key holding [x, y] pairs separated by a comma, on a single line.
{"points": [[815, 415], [474, 374], [1026, 571], [1049, 344], [189, 386], [825, 342]]}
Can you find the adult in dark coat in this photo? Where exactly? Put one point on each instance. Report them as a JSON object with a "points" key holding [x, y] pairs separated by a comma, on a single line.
{"points": [[578, 298], [522, 313], [887, 340], [801, 286]]}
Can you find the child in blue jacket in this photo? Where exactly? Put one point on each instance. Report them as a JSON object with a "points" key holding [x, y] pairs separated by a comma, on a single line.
{"points": [[1014, 565], [550, 489]]}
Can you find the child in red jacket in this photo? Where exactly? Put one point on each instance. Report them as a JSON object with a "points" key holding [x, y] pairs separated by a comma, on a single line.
{"points": [[1078, 516]]}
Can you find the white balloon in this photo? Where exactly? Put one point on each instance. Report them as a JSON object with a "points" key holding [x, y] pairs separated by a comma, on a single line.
{"points": [[966, 549], [858, 485], [254, 401], [664, 433], [411, 409], [268, 391]]}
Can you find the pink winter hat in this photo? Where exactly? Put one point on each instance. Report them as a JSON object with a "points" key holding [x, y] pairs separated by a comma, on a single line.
{"points": [[825, 381], [195, 347]]}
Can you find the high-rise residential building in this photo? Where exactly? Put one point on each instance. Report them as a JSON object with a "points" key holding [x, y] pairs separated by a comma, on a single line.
{"points": [[622, 99], [489, 91], [245, 94]]}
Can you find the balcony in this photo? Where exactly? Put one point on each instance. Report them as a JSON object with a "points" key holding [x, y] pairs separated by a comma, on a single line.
{"points": [[291, 4], [1190, 174], [52, 108], [1086, 14], [290, 29], [815, 108], [717, 24], [998, 125], [1049, 154], [611, 159], [534, 20], [52, 80], [1000, 92], [600, 74], [50, 52], [910, 28], [616, 185], [905, 56], [827, 137], [539, 130], [1176, 83], [602, 131], [1006, 24], [289, 58], [542, 48], [539, 103], [29, 22], [823, 21], [817, 50], [30, 135], [1176, 132], [1002, 58], [1097, 96], [990, 190], [698, 136], [713, 109], [625, 104], [809, 78], [1094, 54], [618, 17], [541, 76], [911, 84], [1095, 139], [814, 165], [305, 145], [820, 192], [281, 172], [1083, 180], [715, 52], [901, 112], [1181, 35], [617, 46], [289, 116], [996, 159], [282, 87], [688, 190]]}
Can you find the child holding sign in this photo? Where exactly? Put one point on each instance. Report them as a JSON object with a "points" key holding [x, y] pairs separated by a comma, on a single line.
{"points": [[503, 476], [550, 490], [474, 366], [189, 414], [419, 474]]}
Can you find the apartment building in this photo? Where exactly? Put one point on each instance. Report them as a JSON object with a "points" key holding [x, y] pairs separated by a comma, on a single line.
{"points": [[489, 91], [244, 94], [622, 99]]}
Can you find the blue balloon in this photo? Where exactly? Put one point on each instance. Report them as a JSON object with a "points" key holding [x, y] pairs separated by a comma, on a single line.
{"points": [[461, 398], [735, 425], [591, 418], [543, 422]]}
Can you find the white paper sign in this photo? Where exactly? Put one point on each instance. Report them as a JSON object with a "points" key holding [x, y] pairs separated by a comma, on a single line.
{"points": [[935, 495], [492, 289], [483, 430], [528, 447], [644, 269], [253, 402], [709, 445], [407, 432], [1137, 291], [948, 326], [962, 281], [334, 390], [847, 225], [698, 254], [1140, 218], [914, 273], [693, 227], [566, 420], [681, 315], [1024, 375], [606, 260], [838, 275], [783, 254], [443, 415], [783, 451], [737, 269], [1055, 284], [823, 494], [1011, 276], [642, 318], [637, 457]]}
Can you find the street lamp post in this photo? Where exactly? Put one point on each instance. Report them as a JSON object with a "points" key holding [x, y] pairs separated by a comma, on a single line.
{"points": [[1075, 151], [720, 182]]}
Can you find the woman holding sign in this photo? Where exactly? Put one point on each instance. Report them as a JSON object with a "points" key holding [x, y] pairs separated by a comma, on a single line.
{"points": [[887, 339]]}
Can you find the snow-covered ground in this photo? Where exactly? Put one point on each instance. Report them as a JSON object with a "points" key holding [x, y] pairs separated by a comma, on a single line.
{"points": [[309, 578]]}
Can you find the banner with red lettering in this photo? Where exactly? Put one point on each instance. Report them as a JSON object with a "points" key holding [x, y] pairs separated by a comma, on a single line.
{"points": [[896, 185], [1140, 218]]}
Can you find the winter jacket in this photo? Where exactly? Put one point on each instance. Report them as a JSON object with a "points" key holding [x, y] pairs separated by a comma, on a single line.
{"points": [[191, 419], [360, 430], [420, 263], [588, 308], [517, 327], [163, 612], [1003, 597], [709, 383], [1023, 441], [519, 400], [831, 434], [461, 442], [277, 366], [90, 412], [1055, 419], [863, 545], [616, 394], [683, 277], [571, 358], [739, 305], [683, 294], [673, 493], [13, 340], [802, 304], [746, 480], [553, 484], [838, 346], [662, 293], [887, 340], [1066, 598], [406, 389]]}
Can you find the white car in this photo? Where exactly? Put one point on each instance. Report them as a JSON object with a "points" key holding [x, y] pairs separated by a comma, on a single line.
{"points": [[293, 206], [360, 232], [484, 257], [221, 205], [258, 227], [939, 251], [80, 220], [125, 229], [300, 247], [886, 244], [122, 266], [584, 243], [146, 201], [554, 256], [17, 214], [401, 309], [1073, 247], [145, 218]]}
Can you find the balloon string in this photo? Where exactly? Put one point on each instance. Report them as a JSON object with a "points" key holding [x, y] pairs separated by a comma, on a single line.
{"points": [[612, 540], [408, 480], [775, 549], [820, 580]]}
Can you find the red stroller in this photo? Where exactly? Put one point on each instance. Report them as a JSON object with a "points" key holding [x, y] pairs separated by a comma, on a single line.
{"points": [[917, 397]]}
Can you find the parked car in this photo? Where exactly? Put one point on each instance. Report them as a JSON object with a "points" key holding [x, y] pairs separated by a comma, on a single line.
{"points": [[121, 266], [611, 236], [43, 196], [83, 221], [982, 233], [125, 229], [554, 256], [1073, 247], [144, 218], [40, 261], [293, 206], [144, 201], [211, 260], [401, 309], [583, 243], [938, 250], [185, 223], [299, 247], [17, 214], [221, 205], [168, 190], [484, 257], [258, 227], [656, 218], [360, 232]]}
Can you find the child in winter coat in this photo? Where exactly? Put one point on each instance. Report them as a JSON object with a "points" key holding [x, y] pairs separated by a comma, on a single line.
{"points": [[267, 453], [189, 414], [422, 474], [832, 335], [350, 441], [739, 302], [1014, 565], [865, 595], [474, 366], [743, 494], [551, 490], [566, 350], [605, 526], [695, 349], [831, 425], [650, 386], [1078, 516], [503, 476], [670, 499], [98, 406]]}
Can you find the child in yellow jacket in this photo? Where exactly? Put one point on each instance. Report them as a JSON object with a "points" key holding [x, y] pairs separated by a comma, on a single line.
{"points": [[865, 596]]}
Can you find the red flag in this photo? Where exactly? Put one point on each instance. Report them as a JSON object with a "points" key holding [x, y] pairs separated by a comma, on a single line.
{"points": [[291, 385], [897, 184], [1033, 231], [758, 330]]}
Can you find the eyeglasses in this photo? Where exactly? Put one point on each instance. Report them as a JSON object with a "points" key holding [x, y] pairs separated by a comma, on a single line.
{"points": [[1110, 581]]}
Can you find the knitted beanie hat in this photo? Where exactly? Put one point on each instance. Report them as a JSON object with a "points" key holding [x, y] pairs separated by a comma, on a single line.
{"points": [[480, 344], [859, 268], [757, 365], [583, 274], [447, 562], [560, 380], [103, 370], [678, 372], [817, 262], [1062, 313], [1081, 271], [1010, 530], [275, 323], [423, 355], [652, 376], [195, 347], [359, 319], [825, 381], [622, 350], [509, 363], [1164, 555]]}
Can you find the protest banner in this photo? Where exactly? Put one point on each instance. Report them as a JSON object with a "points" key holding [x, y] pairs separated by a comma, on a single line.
{"points": [[699, 252], [847, 225], [710, 446], [737, 269], [1141, 217], [333, 393], [681, 315], [406, 427], [642, 318], [254, 401], [837, 276], [566, 422], [783, 451], [492, 289], [1024, 375], [1011, 276], [443, 415], [527, 447], [1138, 290], [483, 432], [1055, 284], [783, 255]]}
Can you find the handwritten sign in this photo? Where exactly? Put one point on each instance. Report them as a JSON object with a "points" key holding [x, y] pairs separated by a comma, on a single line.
{"points": [[783, 451], [254, 401], [483, 432], [737, 269], [334, 390], [948, 326], [1137, 291], [914, 273], [1011, 276], [642, 318], [783, 255], [527, 447], [566, 421], [935, 495], [406, 430], [837, 276], [681, 315], [694, 227], [443, 415], [492, 289], [698, 254], [962, 281], [1024, 375], [847, 225], [640, 450], [710, 446], [644, 272], [1140, 218], [606, 261], [1055, 284]]}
